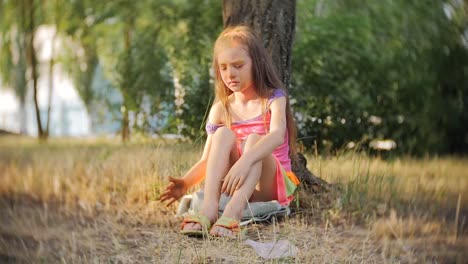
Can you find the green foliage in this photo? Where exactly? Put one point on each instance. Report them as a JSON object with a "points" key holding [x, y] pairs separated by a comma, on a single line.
{"points": [[124, 38], [189, 44], [144, 78], [80, 21], [13, 29], [380, 70], [362, 70]]}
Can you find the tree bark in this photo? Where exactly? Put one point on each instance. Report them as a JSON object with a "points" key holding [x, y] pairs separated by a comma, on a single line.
{"points": [[32, 61], [127, 43], [125, 126], [20, 81], [22, 117], [51, 81], [274, 21]]}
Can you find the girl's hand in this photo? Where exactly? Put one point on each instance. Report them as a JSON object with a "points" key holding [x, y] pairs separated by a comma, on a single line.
{"points": [[174, 190], [235, 177]]}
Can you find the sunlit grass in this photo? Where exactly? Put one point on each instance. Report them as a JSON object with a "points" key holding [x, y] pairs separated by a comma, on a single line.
{"points": [[107, 193], [86, 173], [400, 182]]}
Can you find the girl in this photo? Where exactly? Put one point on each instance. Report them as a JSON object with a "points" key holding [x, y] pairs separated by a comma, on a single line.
{"points": [[250, 130]]}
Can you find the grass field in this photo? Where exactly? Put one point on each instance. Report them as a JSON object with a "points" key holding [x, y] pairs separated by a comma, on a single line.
{"points": [[96, 201]]}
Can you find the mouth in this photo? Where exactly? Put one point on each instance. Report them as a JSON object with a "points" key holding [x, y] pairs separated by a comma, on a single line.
{"points": [[233, 83]]}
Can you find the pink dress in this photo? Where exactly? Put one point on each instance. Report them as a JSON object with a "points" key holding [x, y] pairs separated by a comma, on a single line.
{"points": [[286, 180]]}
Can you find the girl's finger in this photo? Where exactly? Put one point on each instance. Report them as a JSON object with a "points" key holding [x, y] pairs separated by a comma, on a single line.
{"points": [[164, 198], [230, 185], [225, 183], [166, 192], [227, 188], [177, 181], [234, 186], [172, 179], [171, 201], [239, 183]]}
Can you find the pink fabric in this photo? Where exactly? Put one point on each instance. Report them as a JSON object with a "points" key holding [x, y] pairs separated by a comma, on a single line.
{"points": [[281, 153], [260, 126], [281, 194]]}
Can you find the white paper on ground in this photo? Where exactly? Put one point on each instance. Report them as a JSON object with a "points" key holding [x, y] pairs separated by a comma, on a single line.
{"points": [[273, 250]]}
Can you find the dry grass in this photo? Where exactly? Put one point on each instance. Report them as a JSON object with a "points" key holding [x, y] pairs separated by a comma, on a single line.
{"points": [[95, 201]]}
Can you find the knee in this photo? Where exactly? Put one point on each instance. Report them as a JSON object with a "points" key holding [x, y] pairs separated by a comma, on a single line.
{"points": [[224, 134]]}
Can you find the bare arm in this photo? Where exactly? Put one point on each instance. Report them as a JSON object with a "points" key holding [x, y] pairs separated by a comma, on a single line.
{"points": [[264, 147], [196, 174], [178, 187], [268, 143]]}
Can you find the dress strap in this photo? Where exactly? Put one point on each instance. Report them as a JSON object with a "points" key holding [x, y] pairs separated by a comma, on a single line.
{"points": [[276, 94], [211, 128]]}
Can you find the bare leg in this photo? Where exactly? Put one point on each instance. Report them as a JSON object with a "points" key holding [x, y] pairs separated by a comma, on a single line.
{"points": [[223, 149], [259, 185], [223, 153]]}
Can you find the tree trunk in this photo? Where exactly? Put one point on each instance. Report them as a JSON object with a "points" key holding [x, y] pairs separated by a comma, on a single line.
{"points": [[32, 61], [274, 20], [125, 126], [83, 78], [22, 116], [20, 79], [88, 94], [51, 81], [125, 120]]}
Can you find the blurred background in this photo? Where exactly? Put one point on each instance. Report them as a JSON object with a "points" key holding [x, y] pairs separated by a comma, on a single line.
{"points": [[389, 75]]}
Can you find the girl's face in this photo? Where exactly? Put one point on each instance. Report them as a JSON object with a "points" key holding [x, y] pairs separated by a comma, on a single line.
{"points": [[235, 66]]}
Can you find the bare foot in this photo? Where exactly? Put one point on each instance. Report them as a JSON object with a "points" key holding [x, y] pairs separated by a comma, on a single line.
{"points": [[192, 226], [197, 226], [226, 226], [220, 231]]}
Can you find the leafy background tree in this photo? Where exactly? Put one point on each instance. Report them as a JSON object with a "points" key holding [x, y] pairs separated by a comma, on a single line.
{"points": [[13, 39], [378, 71], [20, 19], [189, 42], [362, 71]]}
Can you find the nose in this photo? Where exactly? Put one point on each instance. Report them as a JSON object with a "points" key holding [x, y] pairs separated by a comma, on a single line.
{"points": [[231, 71]]}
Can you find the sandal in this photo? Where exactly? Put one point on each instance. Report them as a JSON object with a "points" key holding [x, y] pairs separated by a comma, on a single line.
{"points": [[196, 219], [230, 224]]}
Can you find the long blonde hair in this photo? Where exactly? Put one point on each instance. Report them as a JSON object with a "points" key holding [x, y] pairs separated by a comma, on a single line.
{"points": [[265, 77]]}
